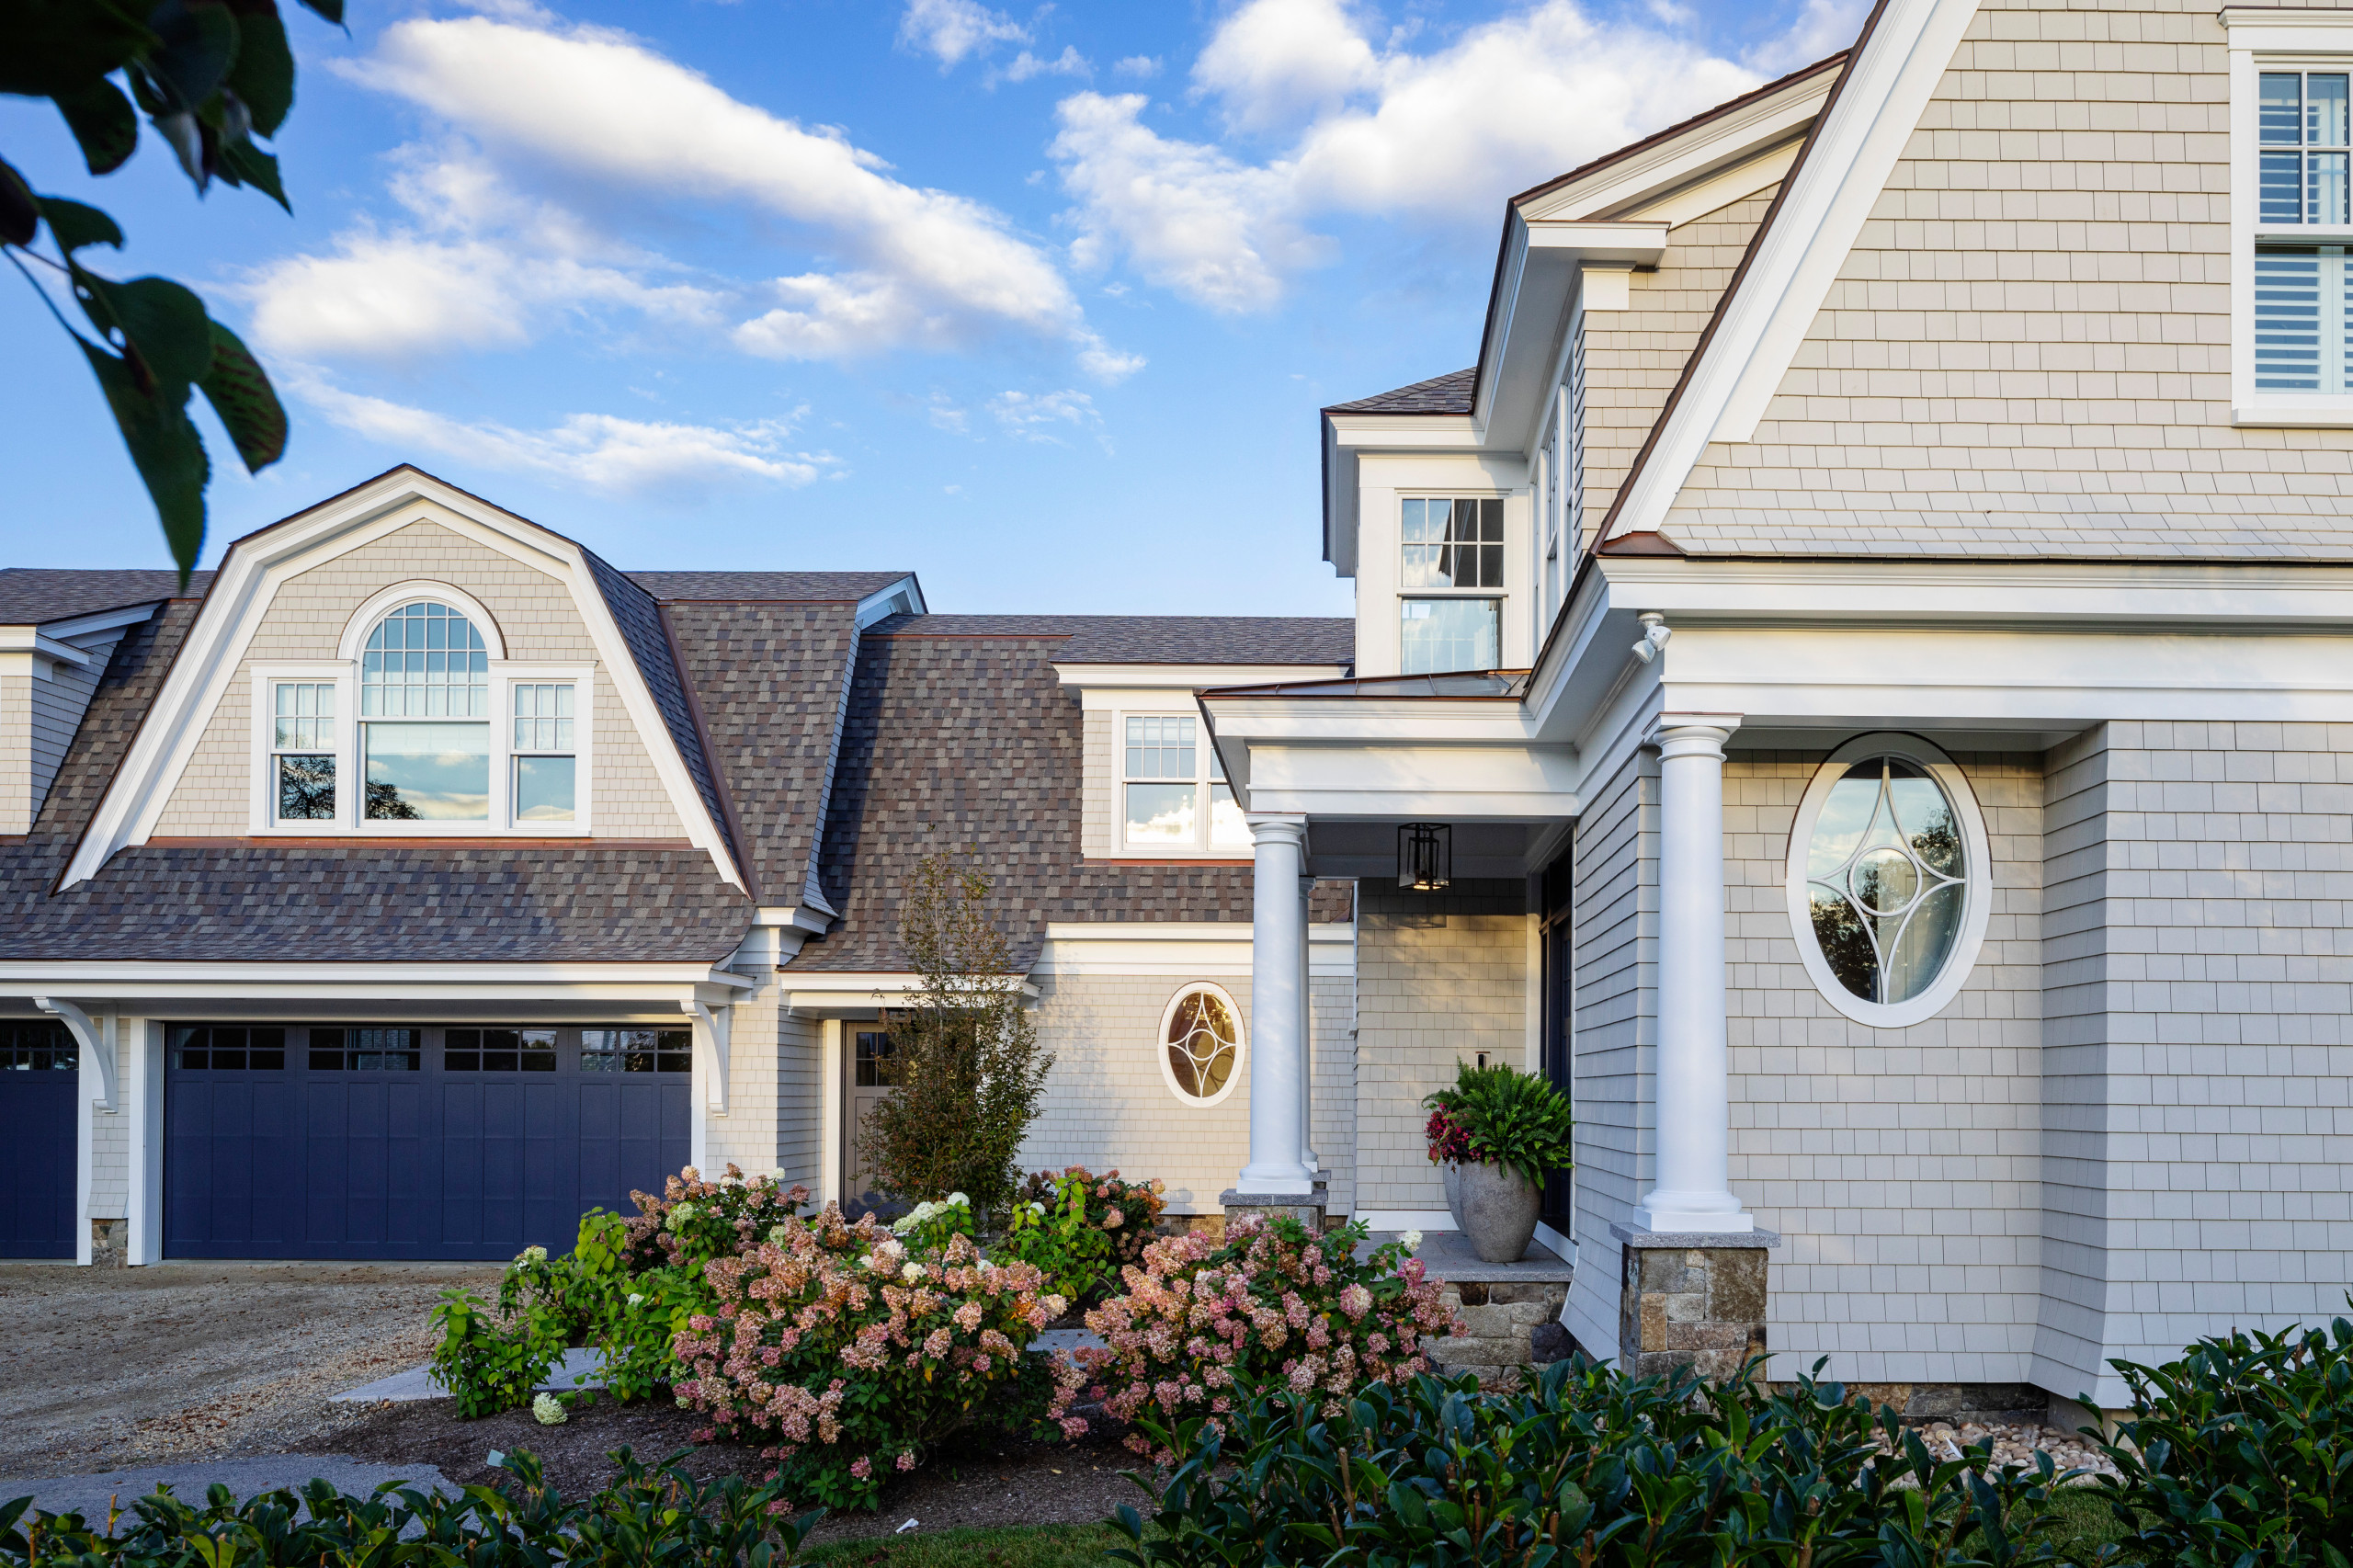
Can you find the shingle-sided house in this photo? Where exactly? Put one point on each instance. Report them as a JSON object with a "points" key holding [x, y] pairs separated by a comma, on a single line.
{"points": [[1851, 684]]}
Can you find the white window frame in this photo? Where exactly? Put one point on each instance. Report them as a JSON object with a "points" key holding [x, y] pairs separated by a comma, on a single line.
{"points": [[1201, 849], [1498, 596], [343, 674], [1241, 1046], [2282, 41], [1978, 873]]}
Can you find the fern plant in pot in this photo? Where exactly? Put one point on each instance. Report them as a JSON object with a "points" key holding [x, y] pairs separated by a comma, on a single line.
{"points": [[1498, 1132]]}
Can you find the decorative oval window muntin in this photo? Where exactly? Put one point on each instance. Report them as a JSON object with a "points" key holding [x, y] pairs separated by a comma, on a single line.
{"points": [[1889, 879], [1201, 1044]]}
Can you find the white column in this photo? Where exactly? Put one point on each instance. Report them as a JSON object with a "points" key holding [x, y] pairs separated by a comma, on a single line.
{"points": [[1278, 939], [1307, 1156], [1694, 1191], [141, 1064]]}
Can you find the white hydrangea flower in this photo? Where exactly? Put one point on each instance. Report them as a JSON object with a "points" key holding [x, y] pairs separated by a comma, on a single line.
{"points": [[776, 1235], [549, 1411], [1055, 1305], [636, 1300], [903, 1224], [533, 1255], [958, 1200], [866, 1262], [1037, 1209], [679, 1214], [776, 1176], [1411, 1241], [911, 1271]]}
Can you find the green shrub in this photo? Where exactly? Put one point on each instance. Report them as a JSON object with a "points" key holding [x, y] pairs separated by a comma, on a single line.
{"points": [[489, 1363], [2241, 1452], [645, 1517], [930, 1225], [1584, 1467], [1080, 1230], [1502, 1116]]}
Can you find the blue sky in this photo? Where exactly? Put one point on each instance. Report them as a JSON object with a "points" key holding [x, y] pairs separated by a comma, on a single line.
{"points": [[1037, 301]]}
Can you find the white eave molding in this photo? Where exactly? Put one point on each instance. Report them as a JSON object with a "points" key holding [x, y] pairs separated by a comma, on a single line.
{"points": [[241, 592], [1884, 90]]}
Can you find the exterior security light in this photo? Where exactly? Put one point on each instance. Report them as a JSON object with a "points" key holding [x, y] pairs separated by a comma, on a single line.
{"points": [[1424, 856]]}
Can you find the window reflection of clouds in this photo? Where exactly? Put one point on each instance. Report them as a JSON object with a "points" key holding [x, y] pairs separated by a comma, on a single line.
{"points": [[1886, 879]]}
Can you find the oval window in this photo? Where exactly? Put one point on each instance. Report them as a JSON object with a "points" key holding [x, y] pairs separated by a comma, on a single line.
{"points": [[1889, 879], [1200, 1037]]}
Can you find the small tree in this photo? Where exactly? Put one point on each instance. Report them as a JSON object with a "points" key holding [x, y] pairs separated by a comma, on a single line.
{"points": [[970, 1069]]}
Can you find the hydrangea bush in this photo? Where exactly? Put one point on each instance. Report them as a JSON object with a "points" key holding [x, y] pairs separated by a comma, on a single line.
{"points": [[1083, 1229], [1271, 1301], [845, 1353]]}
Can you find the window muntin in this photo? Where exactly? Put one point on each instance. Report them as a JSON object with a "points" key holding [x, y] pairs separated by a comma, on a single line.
{"points": [[545, 767], [1173, 789], [879, 1065], [302, 750], [227, 1048], [637, 1051], [498, 1050], [1441, 635], [1454, 543], [38, 1045], [1890, 881], [1201, 1044], [425, 711], [366, 1049], [2301, 127]]}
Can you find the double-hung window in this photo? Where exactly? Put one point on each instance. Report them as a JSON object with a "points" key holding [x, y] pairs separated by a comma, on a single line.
{"points": [[544, 761], [1452, 574], [2291, 216], [1174, 793], [302, 750]]}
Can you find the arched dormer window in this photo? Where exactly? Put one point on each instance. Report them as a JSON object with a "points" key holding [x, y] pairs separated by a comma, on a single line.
{"points": [[424, 717]]}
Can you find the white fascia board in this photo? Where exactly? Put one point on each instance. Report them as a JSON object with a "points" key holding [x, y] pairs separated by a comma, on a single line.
{"points": [[1620, 188], [36, 639], [1391, 721], [1720, 189], [105, 620], [1119, 683], [1405, 432], [794, 917], [1461, 782], [884, 603], [1633, 242], [1181, 931], [359, 983], [844, 992], [1180, 952], [1799, 256], [2290, 30], [241, 592]]}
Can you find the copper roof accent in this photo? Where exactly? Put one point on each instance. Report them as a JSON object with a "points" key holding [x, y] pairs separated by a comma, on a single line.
{"points": [[1648, 542]]}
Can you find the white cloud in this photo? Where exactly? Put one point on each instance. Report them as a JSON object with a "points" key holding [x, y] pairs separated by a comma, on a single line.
{"points": [[1069, 62], [1822, 30], [921, 267], [950, 30], [1139, 66], [1378, 128], [1047, 416], [1190, 217], [586, 451]]}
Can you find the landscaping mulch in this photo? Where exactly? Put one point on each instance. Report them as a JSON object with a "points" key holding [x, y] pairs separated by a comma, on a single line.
{"points": [[975, 1480]]}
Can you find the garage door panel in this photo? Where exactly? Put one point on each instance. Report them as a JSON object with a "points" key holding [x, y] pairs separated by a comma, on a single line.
{"points": [[41, 1108], [384, 1141]]}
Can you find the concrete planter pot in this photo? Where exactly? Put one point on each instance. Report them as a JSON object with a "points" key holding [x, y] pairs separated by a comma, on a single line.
{"points": [[1453, 1175], [1498, 1212]]}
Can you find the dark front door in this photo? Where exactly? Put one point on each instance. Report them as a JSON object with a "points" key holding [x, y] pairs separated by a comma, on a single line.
{"points": [[873, 1078], [406, 1142], [1559, 992], [40, 1081]]}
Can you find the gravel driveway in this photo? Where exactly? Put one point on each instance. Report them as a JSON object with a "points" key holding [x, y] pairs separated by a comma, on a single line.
{"points": [[104, 1368]]}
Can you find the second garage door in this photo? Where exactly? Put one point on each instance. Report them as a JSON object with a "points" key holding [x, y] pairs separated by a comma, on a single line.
{"points": [[367, 1141]]}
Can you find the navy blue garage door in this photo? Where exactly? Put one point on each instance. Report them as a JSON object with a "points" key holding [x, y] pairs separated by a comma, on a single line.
{"points": [[400, 1142], [40, 1079]]}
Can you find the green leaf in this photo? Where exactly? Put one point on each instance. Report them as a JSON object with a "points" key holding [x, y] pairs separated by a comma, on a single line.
{"points": [[199, 44], [242, 162], [163, 322], [19, 208], [241, 394], [264, 75], [73, 225], [103, 121], [165, 450], [63, 46]]}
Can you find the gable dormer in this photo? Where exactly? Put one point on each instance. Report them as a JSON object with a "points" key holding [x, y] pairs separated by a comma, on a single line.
{"points": [[58, 629]]}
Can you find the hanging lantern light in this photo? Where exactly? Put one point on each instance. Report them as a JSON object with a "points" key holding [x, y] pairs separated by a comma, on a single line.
{"points": [[1425, 855]]}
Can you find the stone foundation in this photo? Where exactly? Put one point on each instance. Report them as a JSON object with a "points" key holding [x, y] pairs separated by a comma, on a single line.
{"points": [[1308, 1211], [1691, 1301], [1987, 1405], [1510, 1328], [110, 1243]]}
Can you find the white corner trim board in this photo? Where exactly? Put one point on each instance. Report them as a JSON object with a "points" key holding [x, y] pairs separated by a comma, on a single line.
{"points": [[1875, 109]]}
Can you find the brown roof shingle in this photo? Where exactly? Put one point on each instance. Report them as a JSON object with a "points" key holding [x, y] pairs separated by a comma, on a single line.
{"points": [[1449, 393]]}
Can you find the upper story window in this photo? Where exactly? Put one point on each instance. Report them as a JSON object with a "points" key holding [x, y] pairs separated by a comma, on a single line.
{"points": [[543, 754], [2291, 216], [1173, 787], [1454, 563], [424, 717], [302, 749]]}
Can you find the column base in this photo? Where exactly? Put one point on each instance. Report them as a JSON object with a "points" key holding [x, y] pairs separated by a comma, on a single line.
{"points": [[1694, 1300], [1307, 1208], [110, 1243]]}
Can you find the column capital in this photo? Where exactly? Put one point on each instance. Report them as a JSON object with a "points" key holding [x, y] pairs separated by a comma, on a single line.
{"points": [[1691, 734], [1270, 827]]}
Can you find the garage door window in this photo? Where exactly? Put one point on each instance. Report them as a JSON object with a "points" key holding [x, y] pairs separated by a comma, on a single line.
{"points": [[637, 1051], [37, 1045], [498, 1050], [227, 1048], [364, 1050]]}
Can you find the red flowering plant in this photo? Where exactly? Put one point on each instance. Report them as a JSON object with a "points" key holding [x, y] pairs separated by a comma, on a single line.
{"points": [[1203, 1319], [1449, 1141], [845, 1355]]}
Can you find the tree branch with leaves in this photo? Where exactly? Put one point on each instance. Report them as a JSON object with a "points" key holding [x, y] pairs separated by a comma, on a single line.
{"points": [[210, 75]]}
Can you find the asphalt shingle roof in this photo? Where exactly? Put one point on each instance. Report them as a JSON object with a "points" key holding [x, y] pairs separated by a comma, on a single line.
{"points": [[31, 595], [967, 741], [797, 588], [1440, 394], [1215, 640]]}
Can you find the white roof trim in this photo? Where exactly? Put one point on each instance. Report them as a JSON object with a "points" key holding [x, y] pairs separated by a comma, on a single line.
{"points": [[247, 582], [1887, 87]]}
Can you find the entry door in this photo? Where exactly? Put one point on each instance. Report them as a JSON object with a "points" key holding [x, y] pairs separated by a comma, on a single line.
{"points": [[40, 1082], [1559, 990], [873, 1077]]}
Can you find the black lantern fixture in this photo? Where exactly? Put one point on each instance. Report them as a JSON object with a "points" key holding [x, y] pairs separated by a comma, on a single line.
{"points": [[1425, 855]]}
